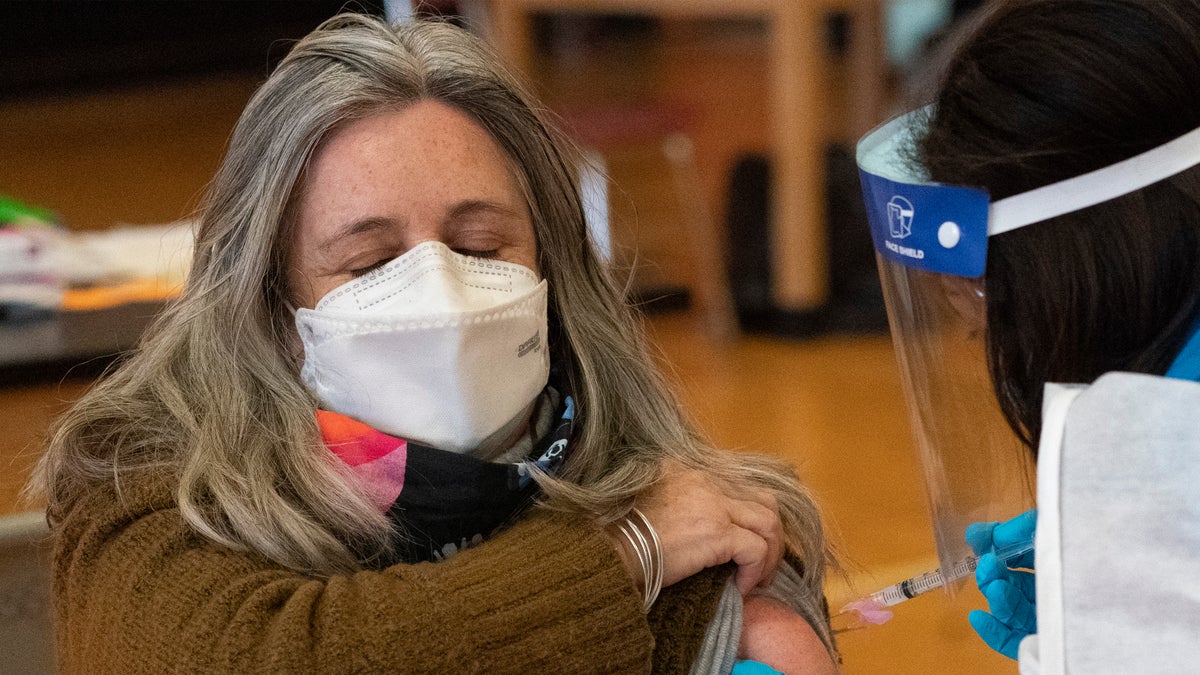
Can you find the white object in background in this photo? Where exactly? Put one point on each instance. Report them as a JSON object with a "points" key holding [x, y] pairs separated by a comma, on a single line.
{"points": [[28, 276], [126, 252], [593, 190], [398, 11]]}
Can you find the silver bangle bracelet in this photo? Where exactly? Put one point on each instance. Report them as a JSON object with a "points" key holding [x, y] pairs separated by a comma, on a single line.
{"points": [[626, 528], [655, 556]]}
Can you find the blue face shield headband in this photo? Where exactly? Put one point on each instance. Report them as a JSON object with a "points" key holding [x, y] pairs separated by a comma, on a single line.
{"points": [[944, 228]]}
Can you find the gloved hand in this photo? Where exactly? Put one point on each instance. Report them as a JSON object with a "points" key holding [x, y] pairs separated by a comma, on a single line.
{"points": [[1009, 592]]}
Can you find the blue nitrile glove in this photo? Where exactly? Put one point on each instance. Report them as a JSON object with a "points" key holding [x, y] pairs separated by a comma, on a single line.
{"points": [[753, 668], [1010, 593]]}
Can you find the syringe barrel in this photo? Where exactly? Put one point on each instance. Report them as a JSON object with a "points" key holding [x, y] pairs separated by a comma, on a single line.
{"points": [[926, 582], [892, 595]]}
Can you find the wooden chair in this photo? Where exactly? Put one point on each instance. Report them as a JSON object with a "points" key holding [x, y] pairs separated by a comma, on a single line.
{"points": [[662, 127]]}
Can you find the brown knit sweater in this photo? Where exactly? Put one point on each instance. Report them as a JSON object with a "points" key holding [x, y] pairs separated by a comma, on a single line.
{"points": [[137, 592]]}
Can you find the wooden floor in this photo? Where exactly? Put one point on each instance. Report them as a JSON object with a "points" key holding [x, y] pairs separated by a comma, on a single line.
{"points": [[832, 406]]}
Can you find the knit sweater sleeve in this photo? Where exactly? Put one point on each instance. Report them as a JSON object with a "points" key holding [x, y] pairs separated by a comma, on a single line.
{"points": [[137, 592]]}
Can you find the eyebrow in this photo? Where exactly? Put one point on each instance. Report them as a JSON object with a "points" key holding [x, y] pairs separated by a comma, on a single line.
{"points": [[472, 206], [356, 227]]}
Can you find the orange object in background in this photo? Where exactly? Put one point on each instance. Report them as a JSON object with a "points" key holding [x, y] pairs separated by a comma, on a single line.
{"points": [[102, 297]]}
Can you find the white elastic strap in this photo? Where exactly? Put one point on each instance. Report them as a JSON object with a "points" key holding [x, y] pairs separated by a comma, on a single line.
{"points": [[1101, 185], [1048, 538]]}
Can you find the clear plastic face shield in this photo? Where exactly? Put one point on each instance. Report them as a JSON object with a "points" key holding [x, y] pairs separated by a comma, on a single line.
{"points": [[931, 244]]}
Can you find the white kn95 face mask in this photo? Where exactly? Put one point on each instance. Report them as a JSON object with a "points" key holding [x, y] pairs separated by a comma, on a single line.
{"points": [[434, 347]]}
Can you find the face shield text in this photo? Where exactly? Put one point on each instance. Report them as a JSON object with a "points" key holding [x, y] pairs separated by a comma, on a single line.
{"points": [[915, 253]]}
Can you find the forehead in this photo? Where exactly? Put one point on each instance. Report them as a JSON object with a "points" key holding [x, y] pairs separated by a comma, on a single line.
{"points": [[410, 164], [426, 138]]}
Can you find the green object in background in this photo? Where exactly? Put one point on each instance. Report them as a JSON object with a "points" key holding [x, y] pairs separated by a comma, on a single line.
{"points": [[14, 212]]}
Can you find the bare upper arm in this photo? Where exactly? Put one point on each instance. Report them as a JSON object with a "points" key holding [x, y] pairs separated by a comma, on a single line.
{"points": [[775, 635]]}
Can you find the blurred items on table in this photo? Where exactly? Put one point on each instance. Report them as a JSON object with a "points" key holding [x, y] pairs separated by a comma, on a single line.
{"points": [[73, 302], [46, 268]]}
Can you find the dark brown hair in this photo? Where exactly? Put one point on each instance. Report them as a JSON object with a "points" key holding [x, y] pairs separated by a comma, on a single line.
{"points": [[1042, 90]]}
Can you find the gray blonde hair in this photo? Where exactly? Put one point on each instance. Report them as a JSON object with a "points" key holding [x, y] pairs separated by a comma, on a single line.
{"points": [[214, 394]]}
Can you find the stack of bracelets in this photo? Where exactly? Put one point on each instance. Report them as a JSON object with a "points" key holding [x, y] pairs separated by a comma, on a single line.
{"points": [[644, 541]]}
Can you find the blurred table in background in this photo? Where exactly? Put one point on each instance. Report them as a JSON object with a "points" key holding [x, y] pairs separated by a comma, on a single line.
{"points": [[803, 120], [78, 344]]}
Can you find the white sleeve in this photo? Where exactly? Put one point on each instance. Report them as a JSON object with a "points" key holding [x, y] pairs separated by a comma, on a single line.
{"points": [[1049, 649], [1027, 656], [1118, 532]]}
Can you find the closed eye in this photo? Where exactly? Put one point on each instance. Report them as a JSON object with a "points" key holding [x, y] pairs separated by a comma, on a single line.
{"points": [[362, 271], [488, 254]]}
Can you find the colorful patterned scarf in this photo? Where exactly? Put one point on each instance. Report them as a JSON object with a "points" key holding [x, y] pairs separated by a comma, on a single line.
{"points": [[442, 502]]}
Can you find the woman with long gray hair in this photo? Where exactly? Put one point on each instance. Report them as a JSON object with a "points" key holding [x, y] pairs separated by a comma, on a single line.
{"points": [[401, 419]]}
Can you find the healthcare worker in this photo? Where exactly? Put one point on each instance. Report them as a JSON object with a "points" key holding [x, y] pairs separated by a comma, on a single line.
{"points": [[1038, 223]]}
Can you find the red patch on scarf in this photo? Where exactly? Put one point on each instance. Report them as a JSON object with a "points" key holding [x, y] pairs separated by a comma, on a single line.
{"points": [[377, 458]]}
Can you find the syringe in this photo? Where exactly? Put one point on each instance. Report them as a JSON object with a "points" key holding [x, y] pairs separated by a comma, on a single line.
{"points": [[870, 609]]}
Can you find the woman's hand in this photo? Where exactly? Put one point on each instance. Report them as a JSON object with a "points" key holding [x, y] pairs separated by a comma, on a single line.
{"points": [[704, 521]]}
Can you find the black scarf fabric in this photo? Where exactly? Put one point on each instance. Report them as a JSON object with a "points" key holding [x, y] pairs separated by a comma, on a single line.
{"points": [[443, 501]]}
